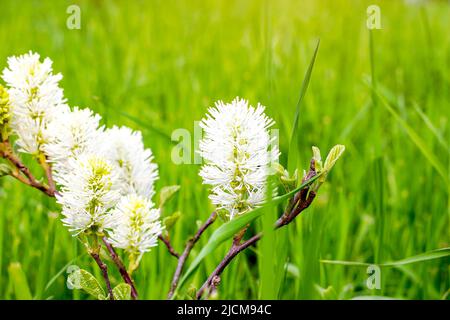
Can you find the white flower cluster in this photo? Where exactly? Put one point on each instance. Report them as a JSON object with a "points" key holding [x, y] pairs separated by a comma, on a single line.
{"points": [[105, 177], [237, 150], [139, 227], [35, 98]]}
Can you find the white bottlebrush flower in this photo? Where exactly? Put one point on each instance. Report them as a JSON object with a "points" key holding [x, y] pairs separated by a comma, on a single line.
{"points": [[136, 225], [237, 150], [70, 135], [137, 171], [88, 190], [35, 98]]}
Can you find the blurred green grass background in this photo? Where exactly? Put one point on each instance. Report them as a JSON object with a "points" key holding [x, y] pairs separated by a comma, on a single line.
{"points": [[165, 62]]}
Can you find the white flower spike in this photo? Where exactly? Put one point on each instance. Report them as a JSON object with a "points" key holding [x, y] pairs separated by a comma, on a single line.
{"points": [[35, 99], [88, 190], [70, 135], [136, 225], [238, 153], [137, 171]]}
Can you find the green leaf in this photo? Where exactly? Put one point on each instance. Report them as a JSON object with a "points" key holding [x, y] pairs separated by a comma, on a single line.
{"points": [[317, 159], [170, 221], [167, 193], [229, 229], [293, 154], [19, 281], [191, 293], [82, 279], [122, 292], [328, 293], [430, 255], [333, 156], [60, 272], [5, 170], [292, 270]]}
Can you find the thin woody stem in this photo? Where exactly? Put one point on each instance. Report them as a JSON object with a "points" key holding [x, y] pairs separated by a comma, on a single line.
{"points": [[214, 278], [166, 241], [187, 250], [104, 270], [300, 202], [123, 271], [48, 173], [234, 250], [30, 180]]}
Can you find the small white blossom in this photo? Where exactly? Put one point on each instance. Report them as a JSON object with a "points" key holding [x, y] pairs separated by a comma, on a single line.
{"points": [[236, 149], [88, 190], [70, 135], [136, 225], [35, 98], [137, 171]]}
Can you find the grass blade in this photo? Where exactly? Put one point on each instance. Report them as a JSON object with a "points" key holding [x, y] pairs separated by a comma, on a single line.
{"points": [[229, 229], [145, 126], [47, 257], [432, 128], [430, 255], [293, 154], [19, 281], [267, 261]]}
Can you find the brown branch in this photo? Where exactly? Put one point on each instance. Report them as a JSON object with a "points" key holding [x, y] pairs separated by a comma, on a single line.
{"points": [[17, 175], [166, 241], [123, 271], [214, 279], [30, 180], [104, 270], [300, 202], [48, 173], [187, 250]]}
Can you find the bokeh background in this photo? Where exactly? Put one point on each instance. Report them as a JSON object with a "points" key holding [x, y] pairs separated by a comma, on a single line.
{"points": [[157, 65]]}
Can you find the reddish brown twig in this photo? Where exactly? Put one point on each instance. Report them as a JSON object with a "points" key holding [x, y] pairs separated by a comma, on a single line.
{"points": [[123, 271], [187, 250], [104, 270], [27, 178], [166, 241], [301, 201], [48, 173], [214, 279]]}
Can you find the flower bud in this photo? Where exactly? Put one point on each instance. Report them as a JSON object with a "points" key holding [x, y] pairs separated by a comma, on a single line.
{"points": [[5, 115]]}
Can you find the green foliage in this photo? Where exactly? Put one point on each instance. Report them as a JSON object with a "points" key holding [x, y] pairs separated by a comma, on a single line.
{"points": [[166, 194], [83, 280], [170, 221], [122, 292], [228, 230], [431, 255], [4, 170], [19, 281], [294, 147], [157, 65]]}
